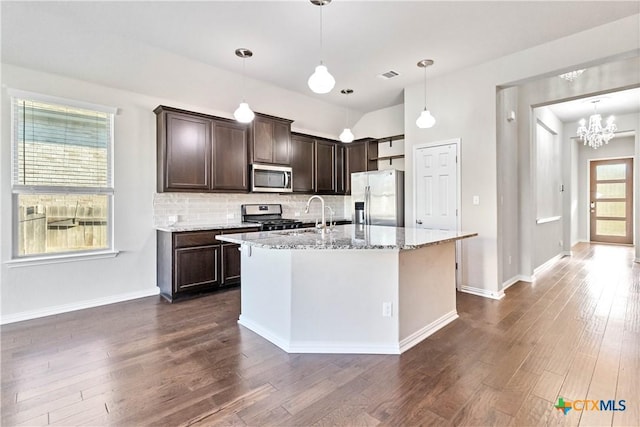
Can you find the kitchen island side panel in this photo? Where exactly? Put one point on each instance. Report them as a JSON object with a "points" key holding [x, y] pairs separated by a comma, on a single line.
{"points": [[265, 302], [338, 297], [427, 290]]}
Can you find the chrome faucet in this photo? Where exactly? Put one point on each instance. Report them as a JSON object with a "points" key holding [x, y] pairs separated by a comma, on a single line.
{"points": [[323, 225], [332, 224]]}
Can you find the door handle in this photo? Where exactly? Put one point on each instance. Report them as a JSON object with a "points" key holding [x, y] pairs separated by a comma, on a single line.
{"points": [[419, 221]]}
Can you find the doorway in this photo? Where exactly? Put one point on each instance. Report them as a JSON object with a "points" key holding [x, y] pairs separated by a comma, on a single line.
{"points": [[437, 186], [611, 201]]}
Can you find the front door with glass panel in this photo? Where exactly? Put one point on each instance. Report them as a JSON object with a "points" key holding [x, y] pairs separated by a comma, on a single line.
{"points": [[611, 201]]}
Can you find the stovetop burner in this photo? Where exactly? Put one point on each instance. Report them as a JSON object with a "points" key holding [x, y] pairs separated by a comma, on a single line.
{"points": [[269, 216]]}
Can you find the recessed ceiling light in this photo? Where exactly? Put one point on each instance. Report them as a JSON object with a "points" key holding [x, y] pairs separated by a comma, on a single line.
{"points": [[388, 75]]}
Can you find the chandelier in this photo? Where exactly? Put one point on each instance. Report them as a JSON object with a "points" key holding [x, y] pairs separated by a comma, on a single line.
{"points": [[595, 135], [571, 75]]}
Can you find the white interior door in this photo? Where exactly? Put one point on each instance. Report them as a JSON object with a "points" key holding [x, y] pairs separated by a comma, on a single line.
{"points": [[437, 187]]}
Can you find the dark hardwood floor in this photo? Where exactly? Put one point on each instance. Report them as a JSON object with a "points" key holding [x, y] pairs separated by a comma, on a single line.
{"points": [[574, 333]]}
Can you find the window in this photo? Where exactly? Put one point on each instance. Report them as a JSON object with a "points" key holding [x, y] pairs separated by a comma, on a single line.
{"points": [[62, 175]]}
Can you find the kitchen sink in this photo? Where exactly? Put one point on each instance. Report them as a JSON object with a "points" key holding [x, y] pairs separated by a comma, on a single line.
{"points": [[297, 232]]}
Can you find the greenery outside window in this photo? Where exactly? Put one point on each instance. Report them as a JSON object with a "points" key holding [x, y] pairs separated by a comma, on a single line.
{"points": [[62, 176]]}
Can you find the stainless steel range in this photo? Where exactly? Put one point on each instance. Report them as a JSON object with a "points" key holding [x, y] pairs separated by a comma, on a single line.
{"points": [[269, 217]]}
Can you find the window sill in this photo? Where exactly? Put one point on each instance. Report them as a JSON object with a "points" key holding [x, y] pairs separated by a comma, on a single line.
{"points": [[56, 259], [548, 219]]}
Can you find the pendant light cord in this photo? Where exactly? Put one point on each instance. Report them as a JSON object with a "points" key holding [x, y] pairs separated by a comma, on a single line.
{"points": [[425, 88], [346, 123], [243, 79], [321, 47]]}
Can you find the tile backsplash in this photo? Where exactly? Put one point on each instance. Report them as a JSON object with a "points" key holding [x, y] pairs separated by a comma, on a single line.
{"points": [[221, 208]]}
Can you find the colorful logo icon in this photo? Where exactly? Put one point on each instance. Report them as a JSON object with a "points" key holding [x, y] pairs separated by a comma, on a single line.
{"points": [[589, 405], [563, 406]]}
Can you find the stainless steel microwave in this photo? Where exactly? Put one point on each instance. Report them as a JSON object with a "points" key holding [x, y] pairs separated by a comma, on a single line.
{"points": [[271, 179]]}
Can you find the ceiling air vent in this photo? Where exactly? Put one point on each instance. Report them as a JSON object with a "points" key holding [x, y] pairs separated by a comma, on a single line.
{"points": [[388, 75]]}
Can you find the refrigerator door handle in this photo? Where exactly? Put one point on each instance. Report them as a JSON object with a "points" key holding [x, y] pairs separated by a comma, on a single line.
{"points": [[367, 215]]}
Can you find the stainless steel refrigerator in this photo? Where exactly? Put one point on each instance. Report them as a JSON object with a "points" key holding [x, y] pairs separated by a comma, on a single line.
{"points": [[377, 197]]}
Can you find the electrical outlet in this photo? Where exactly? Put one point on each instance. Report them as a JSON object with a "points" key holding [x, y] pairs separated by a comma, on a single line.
{"points": [[296, 214], [387, 309], [230, 216], [509, 259], [560, 243], [173, 219], [476, 200]]}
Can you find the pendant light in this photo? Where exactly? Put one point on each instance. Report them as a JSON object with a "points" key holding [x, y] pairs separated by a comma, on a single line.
{"points": [[243, 113], [321, 81], [426, 120], [347, 135]]}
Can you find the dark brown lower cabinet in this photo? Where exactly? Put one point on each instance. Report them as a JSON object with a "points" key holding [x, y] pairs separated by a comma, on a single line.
{"points": [[194, 262], [230, 264], [197, 268]]}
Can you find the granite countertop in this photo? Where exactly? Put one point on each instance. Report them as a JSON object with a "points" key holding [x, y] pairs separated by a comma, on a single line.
{"points": [[174, 228], [348, 237]]}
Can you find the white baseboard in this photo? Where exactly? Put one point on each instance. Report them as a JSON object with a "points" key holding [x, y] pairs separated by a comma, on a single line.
{"points": [[317, 346], [430, 329], [516, 279], [637, 260], [330, 347], [264, 333], [350, 347], [65, 308], [566, 253], [482, 292], [547, 264]]}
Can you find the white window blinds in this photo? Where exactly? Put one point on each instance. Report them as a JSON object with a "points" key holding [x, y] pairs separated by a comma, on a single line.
{"points": [[59, 145]]}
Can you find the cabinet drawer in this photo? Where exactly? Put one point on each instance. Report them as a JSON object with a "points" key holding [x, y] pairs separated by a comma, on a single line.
{"points": [[195, 238]]}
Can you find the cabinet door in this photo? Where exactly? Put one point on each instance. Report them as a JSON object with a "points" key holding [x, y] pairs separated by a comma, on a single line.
{"points": [[230, 264], [229, 157], [325, 167], [281, 142], [188, 158], [196, 268], [340, 167], [302, 164], [262, 140], [357, 160]]}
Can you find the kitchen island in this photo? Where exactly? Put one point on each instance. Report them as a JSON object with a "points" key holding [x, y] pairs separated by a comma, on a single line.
{"points": [[355, 289]]}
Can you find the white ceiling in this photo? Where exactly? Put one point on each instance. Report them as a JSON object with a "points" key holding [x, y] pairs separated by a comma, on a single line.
{"points": [[361, 38], [614, 103]]}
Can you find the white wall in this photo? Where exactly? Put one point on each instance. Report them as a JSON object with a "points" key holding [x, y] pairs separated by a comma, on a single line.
{"points": [[507, 170], [31, 291], [464, 104], [38, 289], [609, 76], [548, 236], [381, 123]]}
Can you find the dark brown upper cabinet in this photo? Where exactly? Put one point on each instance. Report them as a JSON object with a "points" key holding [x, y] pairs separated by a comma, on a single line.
{"points": [[184, 152], [229, 157], [325, 167], [340, 170], [200, 153], [270, 140], [303, 163], [360, 156]]}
